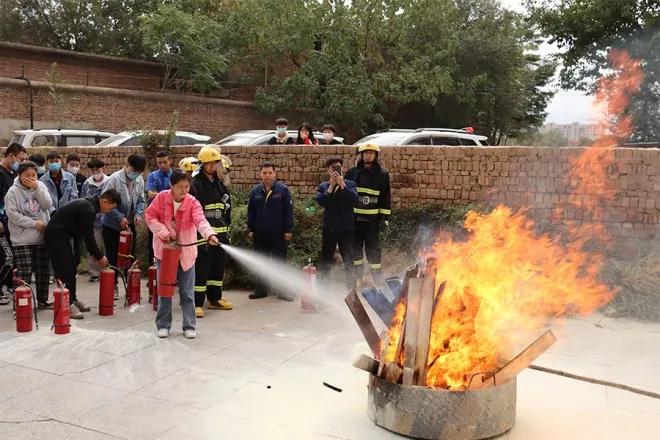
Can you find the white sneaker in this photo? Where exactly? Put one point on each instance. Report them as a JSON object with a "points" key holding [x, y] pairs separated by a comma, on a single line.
{"points": [[163, 332], [190, 334], [75, 313]]}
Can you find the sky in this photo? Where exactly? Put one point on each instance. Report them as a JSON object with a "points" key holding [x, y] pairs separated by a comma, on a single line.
{"points": [[567, 105]]}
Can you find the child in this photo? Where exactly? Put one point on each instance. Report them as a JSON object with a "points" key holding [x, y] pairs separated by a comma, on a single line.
{"points": [[176, 216]]}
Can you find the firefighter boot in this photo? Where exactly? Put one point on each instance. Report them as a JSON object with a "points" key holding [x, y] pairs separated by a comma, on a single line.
{"points": [[222, 304], [199, 312]]}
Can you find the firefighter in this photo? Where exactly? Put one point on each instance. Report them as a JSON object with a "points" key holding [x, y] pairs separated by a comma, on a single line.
{"points": [[189, 165], [216, 202], [372, 209]]}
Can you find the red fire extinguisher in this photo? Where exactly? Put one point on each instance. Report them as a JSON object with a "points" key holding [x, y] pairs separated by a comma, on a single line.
{"points": [[124, 257], [61, 311], [133, 285], [153, 294], [24, 309], [107, 292], [169, 266], [307, 297]]}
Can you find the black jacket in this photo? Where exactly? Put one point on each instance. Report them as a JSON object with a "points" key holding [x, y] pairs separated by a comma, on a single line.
{"points": [[76, 219], [373, 188], [272, 212], [216, 203], [274, 139], [332, 142], [338, 204]]}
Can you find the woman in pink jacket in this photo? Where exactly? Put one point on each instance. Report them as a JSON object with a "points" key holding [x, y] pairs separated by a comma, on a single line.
{"points": [[176, 216]]}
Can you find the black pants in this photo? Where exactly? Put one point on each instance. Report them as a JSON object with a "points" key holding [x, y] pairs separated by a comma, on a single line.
{"points": [[111, 245], [367, 237], [7, 276], [209, 274], [270, 244], [60, 249], [150, 246], [329, 242]]}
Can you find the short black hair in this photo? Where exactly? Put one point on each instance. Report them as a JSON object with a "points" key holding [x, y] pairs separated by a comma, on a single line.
{"points": [[178, 175], [333, 160], [138, 162], [163, 153], [267, 165], [71, 157], [329, 127], [38, 158], [112, 196], [15, 148], [53, 155], [26, 165], [95, 163], [282, 121]]}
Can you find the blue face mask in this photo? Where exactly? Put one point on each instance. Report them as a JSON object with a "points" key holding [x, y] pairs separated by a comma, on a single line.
{"points": [[281, 130], [54, 166], [132, 175], [14, 166], [41, 170]]}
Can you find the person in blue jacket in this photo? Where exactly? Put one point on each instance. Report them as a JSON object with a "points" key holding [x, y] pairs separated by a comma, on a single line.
{"points": [[337, 196], [270, 221], [61, 184]]}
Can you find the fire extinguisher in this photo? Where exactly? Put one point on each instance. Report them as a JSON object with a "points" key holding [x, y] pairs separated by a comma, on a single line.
{"points": [[169, 266], [107, 292], [61, 310], [153, 294], [124, 257], [26, 309], [307, 297], [133, 285]]}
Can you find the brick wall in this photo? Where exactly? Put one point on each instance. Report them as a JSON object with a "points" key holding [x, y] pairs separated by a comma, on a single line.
{"points": [[520, 177]]}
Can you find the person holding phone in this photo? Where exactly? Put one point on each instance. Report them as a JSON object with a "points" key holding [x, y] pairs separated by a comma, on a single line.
{"points": [[337, 196]]}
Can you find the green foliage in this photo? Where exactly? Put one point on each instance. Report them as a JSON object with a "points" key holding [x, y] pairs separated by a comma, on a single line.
{"points": [[153, 141], [57, 95]]}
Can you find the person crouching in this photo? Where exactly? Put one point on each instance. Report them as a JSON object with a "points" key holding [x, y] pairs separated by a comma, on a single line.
{"points": [[175, 216]]}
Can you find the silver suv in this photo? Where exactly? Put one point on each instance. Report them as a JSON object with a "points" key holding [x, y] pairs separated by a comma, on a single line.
{"points": [[427, 136], [261, 137], [53, 137]]}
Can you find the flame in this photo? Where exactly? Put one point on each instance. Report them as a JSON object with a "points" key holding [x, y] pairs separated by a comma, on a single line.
{"points": [[508, 280]]}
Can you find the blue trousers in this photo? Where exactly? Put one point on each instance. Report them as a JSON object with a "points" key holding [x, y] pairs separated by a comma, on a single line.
{"points": [[186, 281]]}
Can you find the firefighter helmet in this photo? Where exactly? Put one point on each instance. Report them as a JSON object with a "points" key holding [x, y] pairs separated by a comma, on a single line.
{"points": [[209, 153], [226, 162], [188, 164], [369, 147]]}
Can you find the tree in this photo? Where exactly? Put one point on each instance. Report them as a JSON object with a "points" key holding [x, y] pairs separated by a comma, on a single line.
{"points": [[586, 31], [57, 95]]}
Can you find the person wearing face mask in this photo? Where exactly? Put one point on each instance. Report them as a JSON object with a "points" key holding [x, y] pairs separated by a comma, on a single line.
{"points": [[93, 187], [73, 166], [61, 184], [306, 135], [329, 132], [129, 183], [40, 161], [281, 137], [13, 156]]}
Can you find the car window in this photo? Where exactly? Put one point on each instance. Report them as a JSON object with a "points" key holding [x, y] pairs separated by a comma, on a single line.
{"points": [[45, 140], [419, 140], [17, 139], [466, 141], [484, 142], [391, 138], [179, 140], [445, 140], [79, 141], [133, 141], [111, 139]]}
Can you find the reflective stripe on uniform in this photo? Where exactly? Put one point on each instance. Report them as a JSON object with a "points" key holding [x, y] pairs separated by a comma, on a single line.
{"points": [[362, 190], [358, 262], [212, 206], [365, 211], [375, 266], [385, 211], [220, 230], [199, 289], [214, 283]]}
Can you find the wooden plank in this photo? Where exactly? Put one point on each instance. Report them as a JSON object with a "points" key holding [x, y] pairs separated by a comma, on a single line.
{"points": [[408, 375], [363, 321], [383, 354], [424, 328], [412, 324], [518, 363], [392, 372], [366, 363]]}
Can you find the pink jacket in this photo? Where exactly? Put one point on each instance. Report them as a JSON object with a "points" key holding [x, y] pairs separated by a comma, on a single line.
{"points": [[189, 219]]}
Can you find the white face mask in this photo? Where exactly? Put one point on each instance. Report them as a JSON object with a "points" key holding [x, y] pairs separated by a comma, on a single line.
{"points": [[73, 170], [328, 136], [98, 176]]}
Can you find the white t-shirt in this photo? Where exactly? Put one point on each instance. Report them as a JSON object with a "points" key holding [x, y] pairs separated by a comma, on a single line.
{"points": [[177, 205]]}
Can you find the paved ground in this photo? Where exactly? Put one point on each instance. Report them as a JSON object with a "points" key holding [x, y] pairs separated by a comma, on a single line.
{"points": [[257, 372]]}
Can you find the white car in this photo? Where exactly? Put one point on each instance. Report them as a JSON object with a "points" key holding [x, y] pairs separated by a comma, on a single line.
{"points": [[261, 137], [132, 139], [427, 136], [53, 137]]}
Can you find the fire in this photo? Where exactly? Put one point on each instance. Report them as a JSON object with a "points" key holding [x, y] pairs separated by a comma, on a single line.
{"points": [[506, 279]]}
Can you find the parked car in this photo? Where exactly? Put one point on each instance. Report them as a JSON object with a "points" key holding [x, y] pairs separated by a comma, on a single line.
{"points": [[132, 139], [426, 136], [261, 137], [54, 137]]}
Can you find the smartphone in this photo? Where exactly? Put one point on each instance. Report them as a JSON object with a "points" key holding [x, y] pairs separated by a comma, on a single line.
{"points": [[337, 168]]}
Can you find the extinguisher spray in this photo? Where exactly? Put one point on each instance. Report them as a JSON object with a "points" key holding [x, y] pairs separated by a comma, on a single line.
{"points": [[307, 298], [61, 310]]}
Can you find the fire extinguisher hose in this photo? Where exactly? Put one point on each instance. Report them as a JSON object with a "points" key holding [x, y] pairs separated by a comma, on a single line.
{"points": [[123, 278], [194, 243]]}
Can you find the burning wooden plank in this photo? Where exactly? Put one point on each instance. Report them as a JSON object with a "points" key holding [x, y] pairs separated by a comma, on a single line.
{"points": [[363, 321], [518, 363], [424, 327], [383, 354], [366, 363], [411, 328], [392, 372]]}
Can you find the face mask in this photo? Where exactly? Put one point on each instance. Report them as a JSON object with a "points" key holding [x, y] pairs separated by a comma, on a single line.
{"points": [[54, 166], [98, 176], [328, 136], [41, 170], [14, 166], [281, 131], [132, 175], [73, 170]]}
